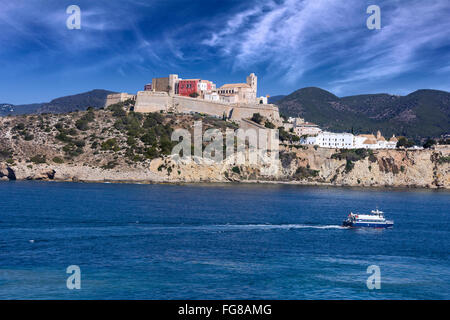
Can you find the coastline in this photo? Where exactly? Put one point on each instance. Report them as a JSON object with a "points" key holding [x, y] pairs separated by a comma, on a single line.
{"points": [[242, 182]]}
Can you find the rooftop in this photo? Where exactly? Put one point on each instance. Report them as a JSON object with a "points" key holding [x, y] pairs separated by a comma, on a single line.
{"points": [[235, 85]]}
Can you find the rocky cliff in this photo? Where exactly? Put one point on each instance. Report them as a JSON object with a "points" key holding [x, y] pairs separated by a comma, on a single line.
{"points": [[108, 145]]}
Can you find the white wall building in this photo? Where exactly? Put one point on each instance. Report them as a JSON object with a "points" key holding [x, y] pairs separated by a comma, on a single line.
{"points": [[261, 100], [306, 128], [296, 121], [331, 140], [349, 141], [212, 96]]}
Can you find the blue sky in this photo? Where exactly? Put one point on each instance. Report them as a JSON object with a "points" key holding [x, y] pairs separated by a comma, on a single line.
{"points": [[289, 44]]}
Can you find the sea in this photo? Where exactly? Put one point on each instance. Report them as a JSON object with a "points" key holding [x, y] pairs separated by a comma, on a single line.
{"points": [[219, 241]]}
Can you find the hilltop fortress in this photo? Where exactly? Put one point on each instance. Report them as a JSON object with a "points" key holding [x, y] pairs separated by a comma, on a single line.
{"points": [[235, 101]]}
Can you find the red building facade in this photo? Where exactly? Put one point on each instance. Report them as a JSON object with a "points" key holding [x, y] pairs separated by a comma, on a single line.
{"points": [[188, 87]]}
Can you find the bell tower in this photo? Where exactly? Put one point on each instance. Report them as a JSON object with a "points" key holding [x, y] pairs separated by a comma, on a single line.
{"points": [[252, 81]]}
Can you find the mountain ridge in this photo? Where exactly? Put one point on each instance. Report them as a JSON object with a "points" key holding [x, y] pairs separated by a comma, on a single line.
{"points": [[420, 114], [95, 98]]}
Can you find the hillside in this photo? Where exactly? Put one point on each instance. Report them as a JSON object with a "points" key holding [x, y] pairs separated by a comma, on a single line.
{"points": [[274, 99], [95, 98], [118, 146], [421, 114]]}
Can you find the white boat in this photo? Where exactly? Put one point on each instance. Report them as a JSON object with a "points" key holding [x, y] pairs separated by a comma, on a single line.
{"points": [[375, 219]]}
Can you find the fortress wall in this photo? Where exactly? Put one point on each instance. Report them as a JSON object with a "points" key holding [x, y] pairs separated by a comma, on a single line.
{"points": [[269, 111], [149, 101], [117, 97], [187, 104]]}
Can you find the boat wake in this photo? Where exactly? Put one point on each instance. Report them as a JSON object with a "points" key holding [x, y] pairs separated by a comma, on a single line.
{"points": [[279, 226], [238, 227]]}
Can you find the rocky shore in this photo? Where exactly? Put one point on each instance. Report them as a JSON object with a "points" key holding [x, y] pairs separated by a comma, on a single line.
{"points": [[110, 146], [385, 168]]}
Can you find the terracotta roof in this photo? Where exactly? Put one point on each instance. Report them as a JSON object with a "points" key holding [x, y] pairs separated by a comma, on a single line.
{"points": [[307, 124], [369, 136], [370, 141], [235, 85], [393, 139]]}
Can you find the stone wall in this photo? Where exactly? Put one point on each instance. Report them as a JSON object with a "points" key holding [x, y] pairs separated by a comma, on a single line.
{"points": [[118, 97], [187, 105], [161, 84], [150, 101]]}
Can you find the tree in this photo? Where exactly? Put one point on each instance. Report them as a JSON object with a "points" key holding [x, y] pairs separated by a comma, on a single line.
{"points": [[257, 118], [269, 125], [404, 142], [429, 143]]}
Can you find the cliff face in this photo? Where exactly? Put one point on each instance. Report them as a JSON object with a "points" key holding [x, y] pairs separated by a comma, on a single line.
{"points": [[108, 145], [393, 168], [397, 168]]}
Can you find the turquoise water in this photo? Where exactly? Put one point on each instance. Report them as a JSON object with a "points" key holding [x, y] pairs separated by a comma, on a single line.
{"points": [[219, 242]]}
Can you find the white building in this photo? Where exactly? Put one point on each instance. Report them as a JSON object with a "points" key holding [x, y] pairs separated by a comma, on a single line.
{"points": [[228, 98], [212, 96], [349, 141], [261, 100], [370, 141], [296, 121], [331, 140], [306, 129]]}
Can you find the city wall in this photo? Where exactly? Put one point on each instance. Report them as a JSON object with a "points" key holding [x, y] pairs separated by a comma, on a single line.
{"points": [[118, 97], [149, 101]]}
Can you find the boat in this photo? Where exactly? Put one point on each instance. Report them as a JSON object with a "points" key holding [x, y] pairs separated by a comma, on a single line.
{"points": [[375, 219]]}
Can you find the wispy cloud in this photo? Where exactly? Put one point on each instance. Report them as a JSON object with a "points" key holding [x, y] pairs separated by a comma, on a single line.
{"points": [[297, 36], [288, 43]]}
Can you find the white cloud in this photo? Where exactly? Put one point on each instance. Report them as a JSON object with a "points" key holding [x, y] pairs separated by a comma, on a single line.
{"points": [[297, 36]]}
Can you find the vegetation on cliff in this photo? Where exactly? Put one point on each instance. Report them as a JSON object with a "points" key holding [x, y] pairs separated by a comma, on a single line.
{"points": [[97, 138]]}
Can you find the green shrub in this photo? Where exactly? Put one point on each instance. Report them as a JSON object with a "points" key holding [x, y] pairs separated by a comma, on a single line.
{"points": [[117, 110], [429, 143], [166, 145], [4, 154], [236, 169], [28, 137], [442, 160], [151, 153], [38, 159], [62, 136], [110, 144], [58, 160], [349, 165], [257, 118], [20, 126], [149, 138], [269, 125], [110, 165], [82, 125], [152, 119], [404, 142], [351, 154], [303, 173], [72, 150]]}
